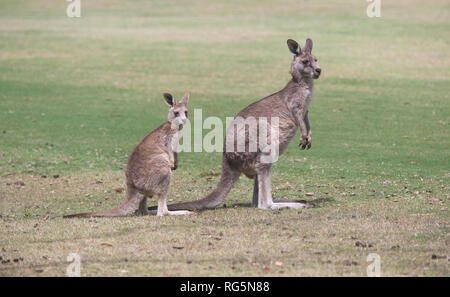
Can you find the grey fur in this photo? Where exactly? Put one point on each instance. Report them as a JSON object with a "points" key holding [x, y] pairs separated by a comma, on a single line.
{"points": [[291, 106], [150, 166]]}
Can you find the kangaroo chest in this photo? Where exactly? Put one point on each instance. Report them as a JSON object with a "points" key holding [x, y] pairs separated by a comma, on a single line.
{"points": [[301, 103], [308, 96], [174, 140], [297, 105]]}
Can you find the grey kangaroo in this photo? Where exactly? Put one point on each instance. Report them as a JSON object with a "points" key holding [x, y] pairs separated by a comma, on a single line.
{"points": [[150, 166], [290, 106]]}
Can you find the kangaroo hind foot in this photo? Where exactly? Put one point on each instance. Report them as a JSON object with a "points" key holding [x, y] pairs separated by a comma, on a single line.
{"points": [[290, 205], [179, 212], [296, 204], [164, 211]]}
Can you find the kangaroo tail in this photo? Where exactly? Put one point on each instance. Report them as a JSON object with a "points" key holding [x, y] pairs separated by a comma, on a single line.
{"points": [[216, 197], [130, 204]]}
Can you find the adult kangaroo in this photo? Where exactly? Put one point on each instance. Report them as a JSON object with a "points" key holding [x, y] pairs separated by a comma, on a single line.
{"points": [[290, 107]]}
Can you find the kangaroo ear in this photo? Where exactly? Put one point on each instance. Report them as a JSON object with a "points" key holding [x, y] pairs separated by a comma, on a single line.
{"points": [[308, 45], [185, 99], [169, 99], [293, 47]]}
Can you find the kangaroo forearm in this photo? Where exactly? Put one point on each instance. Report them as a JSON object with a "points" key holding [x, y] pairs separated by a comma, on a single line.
{"points": [[305, 130], [175, 161], [307, 125], [302, 126]]}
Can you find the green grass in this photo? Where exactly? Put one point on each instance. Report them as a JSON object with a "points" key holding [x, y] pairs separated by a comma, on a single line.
{"points": [[77, 94]]}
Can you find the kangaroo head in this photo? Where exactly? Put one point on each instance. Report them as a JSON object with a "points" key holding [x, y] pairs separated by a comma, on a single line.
{"points": [[178, 111], [304, 64]]}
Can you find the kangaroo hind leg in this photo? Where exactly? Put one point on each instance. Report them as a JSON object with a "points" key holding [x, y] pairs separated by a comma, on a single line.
{"points": [[265, 200], [142, 210], [255, 192], [163, 210]]}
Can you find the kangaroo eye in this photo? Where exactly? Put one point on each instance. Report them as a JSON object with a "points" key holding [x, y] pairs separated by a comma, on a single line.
{"points": [[305, 62], [177, 113], [186, 113]]}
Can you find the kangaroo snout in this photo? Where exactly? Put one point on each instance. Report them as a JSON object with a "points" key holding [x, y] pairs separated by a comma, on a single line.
{"points": [[317, 72]]}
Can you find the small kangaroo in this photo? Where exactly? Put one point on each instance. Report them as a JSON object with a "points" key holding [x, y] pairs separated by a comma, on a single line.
{"points": [[290, 106], [150, 166]]}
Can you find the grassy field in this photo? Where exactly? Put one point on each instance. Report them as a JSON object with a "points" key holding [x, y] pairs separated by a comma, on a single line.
{"points": [[77, 94]]}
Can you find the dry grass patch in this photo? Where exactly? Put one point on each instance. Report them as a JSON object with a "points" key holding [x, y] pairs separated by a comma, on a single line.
{"points": [[237, 240]]}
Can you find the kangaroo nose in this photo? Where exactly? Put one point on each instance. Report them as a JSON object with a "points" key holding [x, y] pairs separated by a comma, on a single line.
{"points": [[318, 70]]}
